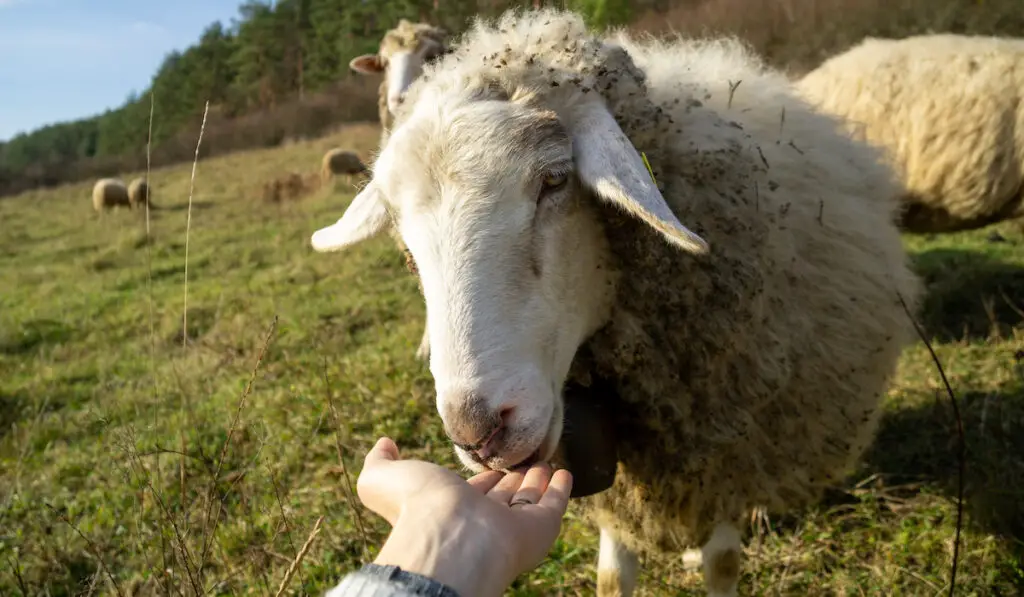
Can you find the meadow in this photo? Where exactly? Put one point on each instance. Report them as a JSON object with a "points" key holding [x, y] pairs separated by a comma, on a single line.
{"points": [[147, 448]]}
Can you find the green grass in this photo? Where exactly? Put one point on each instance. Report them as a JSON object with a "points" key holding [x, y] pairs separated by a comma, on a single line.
{"points": [[111, 430]]}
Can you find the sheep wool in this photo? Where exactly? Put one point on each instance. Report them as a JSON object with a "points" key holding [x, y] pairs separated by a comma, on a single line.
{"points": [[948, 110], [752, 375], [139, 193], [109, 192], [341, 161], [426, 42]]}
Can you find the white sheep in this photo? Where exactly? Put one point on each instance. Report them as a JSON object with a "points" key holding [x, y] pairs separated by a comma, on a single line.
{"points": [[404, 51], [740, 318], [949, 111], [139, 192], [109, 192]]}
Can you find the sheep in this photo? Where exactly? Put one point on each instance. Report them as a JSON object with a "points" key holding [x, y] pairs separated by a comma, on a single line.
{"points": [[623, 215], [139, 193], [404, 51], [109, 192], [341, 161], [949, 111]]}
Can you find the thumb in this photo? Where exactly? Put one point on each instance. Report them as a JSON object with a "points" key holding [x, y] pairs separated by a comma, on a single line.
{"points": [[385, 450]]}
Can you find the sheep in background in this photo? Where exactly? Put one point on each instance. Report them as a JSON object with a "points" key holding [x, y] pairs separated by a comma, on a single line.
{"points": [[948, 109], [109, 192], [341, 161], [139, 193], [743, 311], [404, 50]]}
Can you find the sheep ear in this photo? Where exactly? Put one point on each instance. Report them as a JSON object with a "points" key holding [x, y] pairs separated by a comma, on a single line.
{"points": [[608, 164], [367, 64], [365, 218]]}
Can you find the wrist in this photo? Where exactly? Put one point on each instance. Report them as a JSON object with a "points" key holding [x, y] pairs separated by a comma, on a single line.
{"points": [[457, 551]]}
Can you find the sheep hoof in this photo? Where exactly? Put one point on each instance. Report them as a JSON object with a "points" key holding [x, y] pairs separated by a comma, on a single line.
{"points": [[692, 559]]}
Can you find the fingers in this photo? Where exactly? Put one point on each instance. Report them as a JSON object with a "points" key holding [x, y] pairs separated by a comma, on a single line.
{"points": [[556, 496], [534, 483], [485, 481], [504, 489], [384, 450]]}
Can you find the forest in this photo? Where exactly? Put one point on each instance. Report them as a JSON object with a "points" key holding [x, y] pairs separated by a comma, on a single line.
{"points": [[279, 70]]}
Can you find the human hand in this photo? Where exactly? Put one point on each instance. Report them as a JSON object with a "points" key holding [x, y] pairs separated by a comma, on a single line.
{"points": [[452, 529]]}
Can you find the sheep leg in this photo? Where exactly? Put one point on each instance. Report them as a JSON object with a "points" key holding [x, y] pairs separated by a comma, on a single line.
{"points": [[617, 568], [721, 560]]}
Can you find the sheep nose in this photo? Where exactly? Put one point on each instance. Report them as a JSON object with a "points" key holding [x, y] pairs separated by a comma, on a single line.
{"points": [[471, 424]]}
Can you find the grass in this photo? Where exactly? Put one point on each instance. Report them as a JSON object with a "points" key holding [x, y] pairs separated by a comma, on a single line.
{"points": [[120, 451]]}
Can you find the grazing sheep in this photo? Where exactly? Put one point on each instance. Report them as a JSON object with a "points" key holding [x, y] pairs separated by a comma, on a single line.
{"points": [[404, 51], [744, 311], [341, 161], [139, 193], [949, 111], [109, 192]]}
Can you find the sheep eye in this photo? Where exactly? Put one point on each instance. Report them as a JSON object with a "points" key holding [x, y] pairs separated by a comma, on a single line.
{"points": [[553, 182]]}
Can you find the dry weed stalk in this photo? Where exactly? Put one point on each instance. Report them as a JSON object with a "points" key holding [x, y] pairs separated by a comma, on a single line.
{"points": [[92, 549], [961, 448], [16, 568], [350, 494], [209, 531], [298, 558], [188, 224]]}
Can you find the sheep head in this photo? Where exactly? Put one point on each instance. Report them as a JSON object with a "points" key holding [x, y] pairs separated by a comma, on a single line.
{"points": [[403, 52], [496, 194]]}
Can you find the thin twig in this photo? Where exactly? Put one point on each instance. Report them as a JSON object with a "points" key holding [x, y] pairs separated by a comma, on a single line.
{"points": [[183, 550], [962, 448], [298, 558], [15, 566], [184, 313], [188, 225], [92, 547], [351, 494], [284, 517], [149, 249], [208, 532]]}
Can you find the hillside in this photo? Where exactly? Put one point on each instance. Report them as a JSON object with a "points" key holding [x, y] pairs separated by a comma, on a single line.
{"points": [[113, 428], [280, 71]]}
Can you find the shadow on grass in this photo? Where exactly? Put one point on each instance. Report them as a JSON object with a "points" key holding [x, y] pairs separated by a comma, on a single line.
{"points": [[969, 295], [183, 206], [32, 334], [918, 446]]}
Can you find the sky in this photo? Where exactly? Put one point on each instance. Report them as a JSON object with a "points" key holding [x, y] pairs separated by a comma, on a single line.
{"points": [[68, 59]]}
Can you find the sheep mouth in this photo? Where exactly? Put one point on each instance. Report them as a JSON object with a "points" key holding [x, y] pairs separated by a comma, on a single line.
{"points": [[526, 462], [497, 463]]}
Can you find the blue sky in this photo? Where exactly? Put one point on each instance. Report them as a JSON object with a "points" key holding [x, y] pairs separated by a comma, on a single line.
{"points": [[66, 59]]}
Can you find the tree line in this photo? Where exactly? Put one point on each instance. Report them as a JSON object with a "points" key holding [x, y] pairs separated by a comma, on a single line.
{"points": [[279, 70]]}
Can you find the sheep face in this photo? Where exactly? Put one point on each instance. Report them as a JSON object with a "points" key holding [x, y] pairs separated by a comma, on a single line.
{"points": [[402, 55], [495, 200]]}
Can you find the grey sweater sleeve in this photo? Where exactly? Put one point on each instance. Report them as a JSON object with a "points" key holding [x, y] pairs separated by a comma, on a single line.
{"points": [[389, 581]]}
